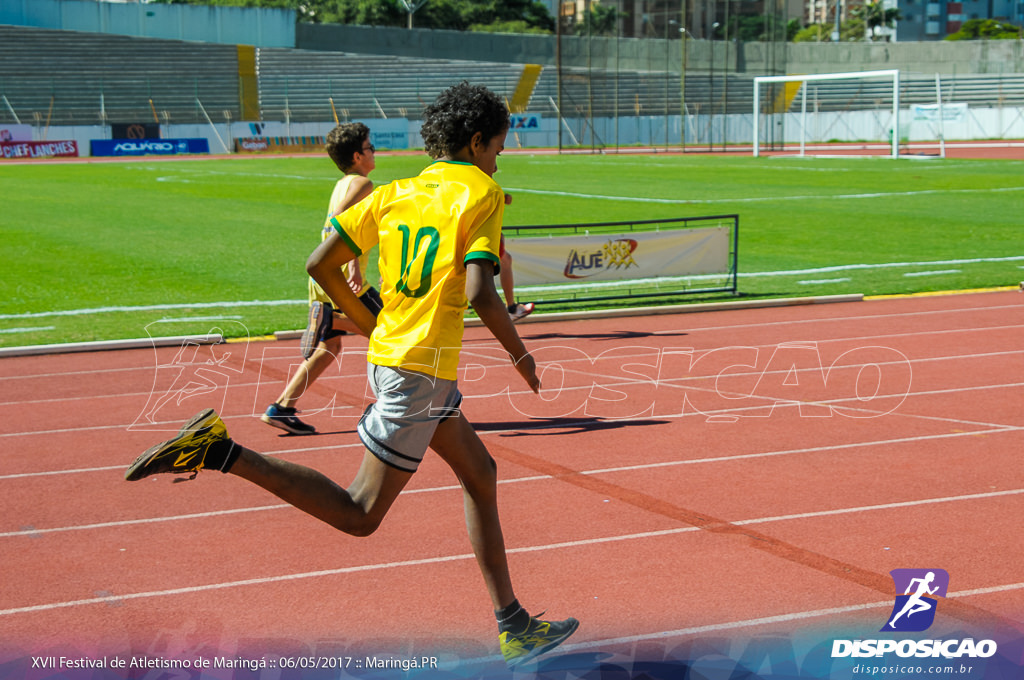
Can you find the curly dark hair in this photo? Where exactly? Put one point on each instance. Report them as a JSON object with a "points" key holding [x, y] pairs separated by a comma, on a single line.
{"points": [[457, 114], [344, 141]]}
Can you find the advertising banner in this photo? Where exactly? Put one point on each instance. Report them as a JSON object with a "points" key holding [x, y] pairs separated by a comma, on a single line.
{"points": [[135, 130], [252, 144], [618, 257], [522, 122], [145, 147], [954, 112], [280, 144], [392, 133], [12, 150], [15, 133]]}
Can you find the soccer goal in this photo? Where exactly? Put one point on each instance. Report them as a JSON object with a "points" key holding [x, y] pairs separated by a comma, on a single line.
{"points": [[838, 113]]}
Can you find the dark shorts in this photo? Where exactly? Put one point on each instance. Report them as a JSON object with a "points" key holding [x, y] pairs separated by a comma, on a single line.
{"points": [[370, 299]]}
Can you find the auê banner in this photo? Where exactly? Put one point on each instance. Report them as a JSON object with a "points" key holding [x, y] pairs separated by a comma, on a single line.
{"points": [[619, 257]]}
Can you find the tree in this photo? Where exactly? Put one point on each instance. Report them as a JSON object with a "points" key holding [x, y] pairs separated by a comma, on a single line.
{"points": [[987, 29], [851, 30], [758, 28], [507, 27], [793, 27], [876, 17], [307, 10], [363, 12], [602, 20], [813, 33], [464, 15], [456, 15]]}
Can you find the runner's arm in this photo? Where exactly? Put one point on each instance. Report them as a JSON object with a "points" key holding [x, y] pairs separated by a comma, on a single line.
{"points": [[324, 265], [492, 311]]}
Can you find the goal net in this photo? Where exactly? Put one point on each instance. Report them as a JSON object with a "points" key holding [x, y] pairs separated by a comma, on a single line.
{"points": [[856, 113]]}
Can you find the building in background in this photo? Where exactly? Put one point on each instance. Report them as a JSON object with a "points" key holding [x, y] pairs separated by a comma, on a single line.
{"points": [[675, 19], [923, 20]]}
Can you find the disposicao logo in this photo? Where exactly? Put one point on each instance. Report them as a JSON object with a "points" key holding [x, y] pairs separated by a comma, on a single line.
{"points": [[917, 593], [914, 609]]}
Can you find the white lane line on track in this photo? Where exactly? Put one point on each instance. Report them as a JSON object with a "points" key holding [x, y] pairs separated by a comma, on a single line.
{"points": [[673, 383], [991, 428], [690, 330], [469, 556], [277, 303], [478, 357], [35, 532]]}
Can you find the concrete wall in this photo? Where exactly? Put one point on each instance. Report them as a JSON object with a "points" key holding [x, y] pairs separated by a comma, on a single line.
{"points": [[648, 131], [961, 57], [953, 57], [278, 28], [225, 25]]}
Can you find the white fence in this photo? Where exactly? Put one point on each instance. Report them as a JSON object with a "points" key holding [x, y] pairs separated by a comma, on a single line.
{"points": [[715, 132]]}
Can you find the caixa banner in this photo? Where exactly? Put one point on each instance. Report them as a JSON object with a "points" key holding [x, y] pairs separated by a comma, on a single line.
{"points": [[146, 147]]}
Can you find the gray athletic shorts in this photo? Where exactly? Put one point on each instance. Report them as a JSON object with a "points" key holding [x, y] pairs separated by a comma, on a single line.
{"points": [[398, 427]]}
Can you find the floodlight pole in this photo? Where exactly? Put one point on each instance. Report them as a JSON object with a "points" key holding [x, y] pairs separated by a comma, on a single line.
{"points": [[410, 7], [558, 73], [725, 80], [711, 92], [682, 82]]}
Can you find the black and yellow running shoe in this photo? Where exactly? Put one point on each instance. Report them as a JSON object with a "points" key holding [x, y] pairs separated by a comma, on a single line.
{"points": [[202, 442], [539, 637]]}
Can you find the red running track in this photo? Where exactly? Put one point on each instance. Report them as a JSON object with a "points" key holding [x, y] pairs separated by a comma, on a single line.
{"points": [[683, 481]]}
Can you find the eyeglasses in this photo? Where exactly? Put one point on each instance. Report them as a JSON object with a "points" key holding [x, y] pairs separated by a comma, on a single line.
{"points": [[371, 148]]}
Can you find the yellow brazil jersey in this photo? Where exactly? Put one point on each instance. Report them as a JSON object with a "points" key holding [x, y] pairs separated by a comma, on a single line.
{"points": [[427, 228], [316, 293]]}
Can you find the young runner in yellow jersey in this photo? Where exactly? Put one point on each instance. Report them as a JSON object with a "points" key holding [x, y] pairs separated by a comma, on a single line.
{"points": [[439, 236], [349, 147], [430, 229]]}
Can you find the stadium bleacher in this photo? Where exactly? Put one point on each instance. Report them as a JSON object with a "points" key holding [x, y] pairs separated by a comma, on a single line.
{"points": [[74, 78]]}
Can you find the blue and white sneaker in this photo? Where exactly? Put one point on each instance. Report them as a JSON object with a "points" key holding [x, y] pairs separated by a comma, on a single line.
{"points": [[284, 419]]}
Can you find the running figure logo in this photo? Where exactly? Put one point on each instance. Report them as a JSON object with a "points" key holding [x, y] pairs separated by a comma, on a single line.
{"points": [[914, 610]]}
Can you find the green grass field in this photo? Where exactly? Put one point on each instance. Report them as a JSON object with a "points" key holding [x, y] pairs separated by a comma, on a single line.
{"points": [[95, 251]]}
